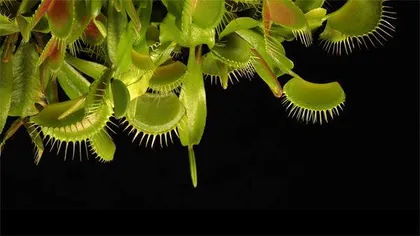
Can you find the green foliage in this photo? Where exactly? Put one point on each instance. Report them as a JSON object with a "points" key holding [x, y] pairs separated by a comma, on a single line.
{"points": [[121, 59]]}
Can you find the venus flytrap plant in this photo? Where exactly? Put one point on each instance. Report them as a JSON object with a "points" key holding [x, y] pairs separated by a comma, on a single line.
{"points": [[146, 66]]}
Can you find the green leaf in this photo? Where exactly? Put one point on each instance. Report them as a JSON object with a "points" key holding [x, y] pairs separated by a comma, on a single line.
{"points": [[10, 132], [118, 5], [239, 24], [310, 101], [193, 166], [140, 87], [103, 146], [42, 26], [131, 11], [163, 53], [234, 51], [96, 31], [24, 24], [355, 21], [99, 92], [45, 76], [73, 109], [193, 96], [51, 91], [175, 8], [94, 6], [89, 68], [26, 6], [58, 114], [168, 77], [7, 27], [208, 13], [155, 115], [216, 69], [145, 13], [121, 97], [278, 60], [26, 81], [309, 5], [82, 18], [142, 61], [132, 75], [265, 71], [289, 18], [72, 82], [124, 50], [100, 21], [191, 37], [53, 54], [117, 23], [315, 17], [6, 83]]}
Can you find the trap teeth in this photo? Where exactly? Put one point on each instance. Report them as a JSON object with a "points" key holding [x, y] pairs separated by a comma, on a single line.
{"points": [[313, 102], [153, 117], [138, 69], [345, 29]]}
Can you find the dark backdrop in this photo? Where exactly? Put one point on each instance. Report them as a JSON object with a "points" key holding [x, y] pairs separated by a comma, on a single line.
{"points": [[357, 174]]}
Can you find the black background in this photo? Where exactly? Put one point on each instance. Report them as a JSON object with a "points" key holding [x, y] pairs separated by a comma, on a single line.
{"points": [[258, 171]]}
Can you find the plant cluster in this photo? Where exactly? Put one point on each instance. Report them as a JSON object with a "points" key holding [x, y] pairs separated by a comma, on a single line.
{"points": [[145, 63]]}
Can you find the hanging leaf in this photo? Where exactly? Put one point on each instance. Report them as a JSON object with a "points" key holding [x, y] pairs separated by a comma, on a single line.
{"points": [[6, 86], [26, 82]]}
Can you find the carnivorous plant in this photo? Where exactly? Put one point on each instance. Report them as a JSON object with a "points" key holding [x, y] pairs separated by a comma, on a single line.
{"points": [[144, 63]]}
